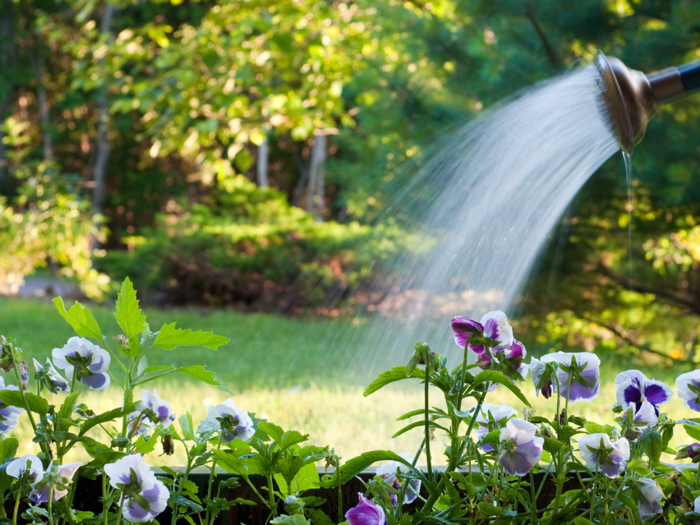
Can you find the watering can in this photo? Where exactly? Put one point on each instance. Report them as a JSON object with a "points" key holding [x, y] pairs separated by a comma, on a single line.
{"points": [[630, 97]]}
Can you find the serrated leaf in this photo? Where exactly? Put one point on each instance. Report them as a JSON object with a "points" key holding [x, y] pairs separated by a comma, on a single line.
{"points": [[357, 464], [182, 501], [35, 403], [83, 322], [552, 445], [289, 467], [494, 376], [594, 428], [318, 517], [291, 437], [104, 417], [170, 337], [272, 430], [66, 410], [391, 376], [651, 444], [145, 446], [128, 313], [488, 509]]}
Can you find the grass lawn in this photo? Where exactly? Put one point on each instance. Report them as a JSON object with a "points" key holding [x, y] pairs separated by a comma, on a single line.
{"points": [[282, 370]]}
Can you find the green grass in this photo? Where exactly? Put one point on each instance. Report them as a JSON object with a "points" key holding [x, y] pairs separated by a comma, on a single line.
{"points": [[283, 370]]}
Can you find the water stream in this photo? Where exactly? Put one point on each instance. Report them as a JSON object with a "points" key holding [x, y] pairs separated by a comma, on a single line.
{"points": [[487, 202]]}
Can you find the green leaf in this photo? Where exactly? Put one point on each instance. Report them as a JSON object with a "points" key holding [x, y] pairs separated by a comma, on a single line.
{"points": [[35, 403], [391, 376], [182, 501], [318, 517], [128, 314], [105, 417], [80, 318], [66, 410], [692, 431], [145, 446], [272, 430], [416, 424], [552, 445], [8, 448], [356, 465], [197, 372], [170, 337], [652, 444], [412, 413], [488, 509], [582, 521], [594, 428], [291, 437], [289, 467], [494, 376]]}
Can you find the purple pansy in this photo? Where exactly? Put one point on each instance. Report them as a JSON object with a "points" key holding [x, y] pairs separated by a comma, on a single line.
{"points": [[633, 388], [491, 417], [521, 449], [689, 389], [88, 361], [650, 495], [8, 413], [643, 417], [464, 328], [694, 450], [231, 422], [600, 453], [388, 472], [584, 370], [144, 496], [366, 513]]}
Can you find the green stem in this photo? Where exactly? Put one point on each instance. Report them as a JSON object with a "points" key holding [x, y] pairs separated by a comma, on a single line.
{"points": [[212, 475], [427, 423], [14, 514], [533, 498], [119, 514], [271, 495], [341, 516], [464, 376], [181, 485], [105, 514], [50, 502]]}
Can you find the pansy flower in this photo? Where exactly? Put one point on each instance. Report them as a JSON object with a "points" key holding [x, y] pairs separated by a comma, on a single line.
{"points": [[143, 496], [582, 369], [521, 449], [50, 378], [642, 418], [231, 422], [649, 502], [493, 325], [87, 361], [634, 388], [366, 513], [54, 483], [600, 453], [388, 472], [491, 417], [542, 374], [37, 482], [689, 389], [161, 410], [8, 413]]}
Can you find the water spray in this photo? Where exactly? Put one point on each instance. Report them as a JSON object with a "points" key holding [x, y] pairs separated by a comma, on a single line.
{"points": [[630, 97]]}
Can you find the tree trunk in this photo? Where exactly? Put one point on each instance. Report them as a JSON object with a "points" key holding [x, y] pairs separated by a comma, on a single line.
{"points": [[43, 101], [317, 174], [8, 62], [303, 177], [103, 145], [263, 151]]}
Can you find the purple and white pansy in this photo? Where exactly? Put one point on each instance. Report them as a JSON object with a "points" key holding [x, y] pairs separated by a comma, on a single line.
{"points": [[491, 417], [581, 370], [493, 325], [49, 377], [634, 388], [144, 496], [642, 418], [86, 360], [389, 473], [231, 422], [162, 411], [689, 389], [8, 413], [520, 448], [599, 453], [43, 484], [649, 502], [366, 513]]}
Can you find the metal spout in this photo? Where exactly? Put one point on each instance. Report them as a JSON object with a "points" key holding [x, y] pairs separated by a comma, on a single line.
{"points": [[630, 97]]}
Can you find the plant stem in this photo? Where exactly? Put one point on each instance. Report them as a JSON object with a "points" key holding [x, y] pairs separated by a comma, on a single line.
{"points": [[212, 475], [533, 498], [14, 514], [464, 376], [50, 502], [340, 490], [271, 495], [427, 422], [119, 514], [105, 514]]}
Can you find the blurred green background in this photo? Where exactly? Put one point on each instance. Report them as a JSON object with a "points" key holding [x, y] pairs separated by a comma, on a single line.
{"points": [[238, 154]]}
